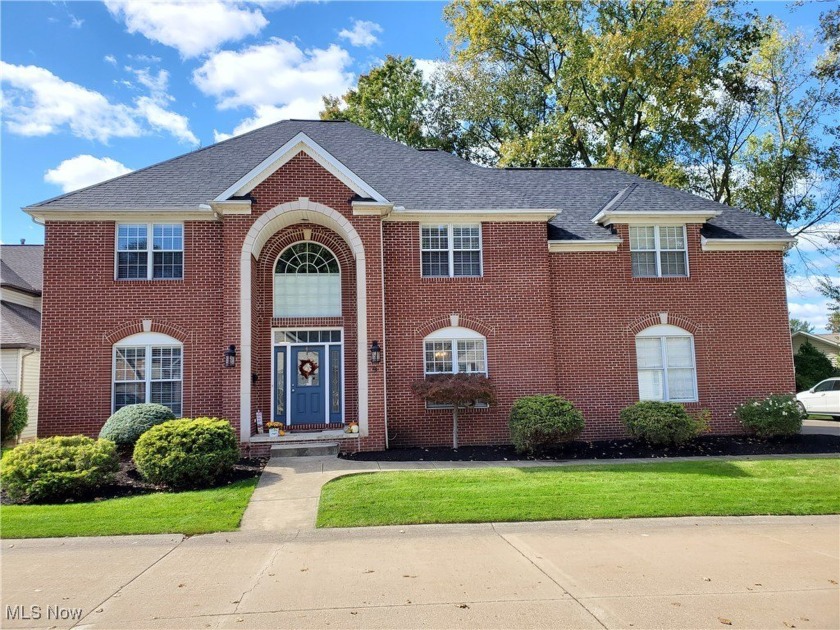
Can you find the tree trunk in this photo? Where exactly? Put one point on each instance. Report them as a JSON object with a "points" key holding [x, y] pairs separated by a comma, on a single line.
{"points": [[455, 427]]}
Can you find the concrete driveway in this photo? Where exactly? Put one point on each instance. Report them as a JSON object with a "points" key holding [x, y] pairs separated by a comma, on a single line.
{"points": [[826, 427], [749, 572]]}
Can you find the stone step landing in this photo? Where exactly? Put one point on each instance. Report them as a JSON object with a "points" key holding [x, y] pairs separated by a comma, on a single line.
{"points": [[321, 449]]}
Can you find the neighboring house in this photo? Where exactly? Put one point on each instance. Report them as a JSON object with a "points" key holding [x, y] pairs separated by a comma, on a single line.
{"points": [[827, 343], [304, 246], [21, 271]]}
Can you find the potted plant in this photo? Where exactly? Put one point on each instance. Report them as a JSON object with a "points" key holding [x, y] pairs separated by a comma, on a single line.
{"points": [[458, 390], [275, 429]]}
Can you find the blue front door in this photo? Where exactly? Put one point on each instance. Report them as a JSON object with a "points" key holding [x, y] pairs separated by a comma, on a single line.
{"points": [[308, 385]]}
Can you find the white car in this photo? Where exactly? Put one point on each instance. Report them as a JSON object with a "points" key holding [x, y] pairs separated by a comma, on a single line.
{"points": [[823, 398]]}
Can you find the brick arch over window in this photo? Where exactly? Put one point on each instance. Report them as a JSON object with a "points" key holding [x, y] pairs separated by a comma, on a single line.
{"points": [[445, 322], [132, 328], [267, 225], [655, 319]]}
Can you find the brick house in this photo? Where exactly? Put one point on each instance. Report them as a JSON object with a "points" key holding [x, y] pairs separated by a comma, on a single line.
{"points": [[304, 245]]}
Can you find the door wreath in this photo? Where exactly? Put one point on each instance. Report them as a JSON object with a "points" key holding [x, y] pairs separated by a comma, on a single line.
{"points": [[307, 368]]}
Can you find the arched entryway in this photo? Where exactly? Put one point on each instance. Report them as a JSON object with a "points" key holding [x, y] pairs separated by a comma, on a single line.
{"points": [[264, 228]]}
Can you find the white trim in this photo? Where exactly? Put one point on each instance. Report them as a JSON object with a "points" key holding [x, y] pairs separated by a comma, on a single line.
{"points": [[454, 332], [300, 143], [671, 217], [664, 332], [474, 216], [657, 251], [150, 250], [372, 208], [147, 341], [600, 245], [746, 244], [134, 215], [450, 248], [288, 374], [262, 229], [235, 206], [274, 283]]}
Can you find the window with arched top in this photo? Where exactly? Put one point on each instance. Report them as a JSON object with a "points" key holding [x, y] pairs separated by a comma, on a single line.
{"points": [[666, 365], [307, 282], [148, 367], [455, 349]]}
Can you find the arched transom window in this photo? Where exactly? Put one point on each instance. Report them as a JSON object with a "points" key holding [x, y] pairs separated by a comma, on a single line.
{"points": [[148, 368], [665, 362], [307, 282]]}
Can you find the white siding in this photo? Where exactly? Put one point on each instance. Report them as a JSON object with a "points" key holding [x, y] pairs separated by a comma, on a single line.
{"points": [[18, 297], [9, 376], [31, 368]]}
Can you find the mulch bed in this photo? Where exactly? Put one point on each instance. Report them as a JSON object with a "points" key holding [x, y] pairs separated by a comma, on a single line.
{"points": [[614, 449], [128, 482]]}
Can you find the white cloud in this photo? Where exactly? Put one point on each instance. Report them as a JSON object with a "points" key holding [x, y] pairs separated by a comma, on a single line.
{"points": [[805, 300], [290, 85], [38, 103], [192, 27], [362, 34], [110, 59], [818, 237], [84, 170]]}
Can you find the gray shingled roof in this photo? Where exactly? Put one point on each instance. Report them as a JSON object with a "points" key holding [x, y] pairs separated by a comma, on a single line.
{"points": [[20, 327], [22, 267], [417, 180]]}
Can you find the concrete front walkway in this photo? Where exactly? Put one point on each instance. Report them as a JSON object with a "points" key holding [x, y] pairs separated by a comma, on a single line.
{"points": [[748, 572]]}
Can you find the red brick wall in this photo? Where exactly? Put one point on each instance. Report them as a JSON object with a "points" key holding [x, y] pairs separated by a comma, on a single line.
{"points": [[734, 304], [86, 311], [511, 305]]}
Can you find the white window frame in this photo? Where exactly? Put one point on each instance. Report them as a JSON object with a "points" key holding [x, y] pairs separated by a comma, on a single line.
{"points": [[148, 341], [450, 250], [150, 250], [453, 335], [663, 332], [274, 311], [658, 250]]}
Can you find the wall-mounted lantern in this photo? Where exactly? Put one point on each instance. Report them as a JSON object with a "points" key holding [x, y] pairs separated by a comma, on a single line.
{"points": [[375, 353], [230, 356]]}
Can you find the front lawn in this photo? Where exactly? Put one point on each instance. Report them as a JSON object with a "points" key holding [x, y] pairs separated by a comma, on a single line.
{"points": [[197, 512], [697, 488]]}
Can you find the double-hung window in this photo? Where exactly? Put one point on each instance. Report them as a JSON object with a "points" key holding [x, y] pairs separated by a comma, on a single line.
{"points": [[150, 251], [658, 251], [450, 250], [665, 363], [148, 368]]}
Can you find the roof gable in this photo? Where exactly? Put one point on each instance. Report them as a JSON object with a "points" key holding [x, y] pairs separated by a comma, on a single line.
{"points": [[301, 143]]}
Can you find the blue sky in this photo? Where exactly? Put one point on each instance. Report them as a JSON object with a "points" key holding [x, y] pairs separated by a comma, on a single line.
{"points": [[92, 90]]}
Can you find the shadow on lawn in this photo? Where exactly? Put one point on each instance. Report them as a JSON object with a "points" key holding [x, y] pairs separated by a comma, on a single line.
{"points": [[711, 469]]}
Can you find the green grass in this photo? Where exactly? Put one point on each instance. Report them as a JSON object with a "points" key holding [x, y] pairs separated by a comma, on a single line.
{"points": [[780, 486], [195, 512]]}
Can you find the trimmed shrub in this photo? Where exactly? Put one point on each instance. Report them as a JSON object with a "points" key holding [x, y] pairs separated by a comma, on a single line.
{"points": [[662, 423], [539, 422], [127, 424], [14, 414], [188, 453], [776, 415], [59, 468]]}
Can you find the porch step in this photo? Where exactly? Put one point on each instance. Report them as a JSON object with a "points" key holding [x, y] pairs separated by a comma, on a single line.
{"points": [[323, 449]]}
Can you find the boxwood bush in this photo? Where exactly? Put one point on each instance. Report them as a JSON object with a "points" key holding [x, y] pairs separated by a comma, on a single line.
{"points": [[539, 422], [14, 414], [774, 416], [58, 468], [128, 423], [188, 453], [662, 423]]}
